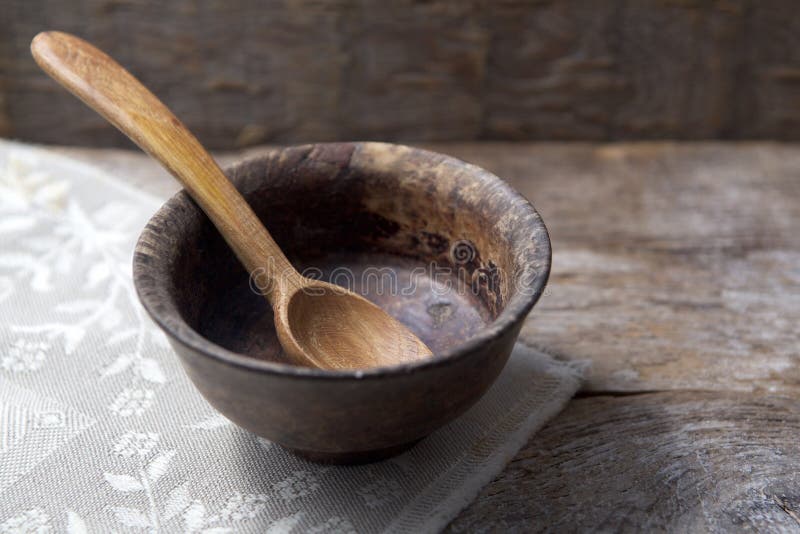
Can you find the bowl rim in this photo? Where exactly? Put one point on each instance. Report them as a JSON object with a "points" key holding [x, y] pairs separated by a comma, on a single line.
{"points": [[518, 306]]}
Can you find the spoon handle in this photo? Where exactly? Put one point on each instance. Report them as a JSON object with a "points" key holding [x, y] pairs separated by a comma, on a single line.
{"points": [[103, 85]]}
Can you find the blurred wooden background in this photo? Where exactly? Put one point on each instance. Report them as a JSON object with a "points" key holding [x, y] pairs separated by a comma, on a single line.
{"points": [[247, 72]]}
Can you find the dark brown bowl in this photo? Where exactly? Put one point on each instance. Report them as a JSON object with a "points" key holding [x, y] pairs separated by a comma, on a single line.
{"points": [[366, 215]]}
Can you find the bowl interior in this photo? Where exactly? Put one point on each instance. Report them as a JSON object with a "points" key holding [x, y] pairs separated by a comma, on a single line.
{"points": [[430, 239]]}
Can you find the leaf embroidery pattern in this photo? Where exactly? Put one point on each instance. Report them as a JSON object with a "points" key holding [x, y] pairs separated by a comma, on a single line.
{"points": [[147, 469]]}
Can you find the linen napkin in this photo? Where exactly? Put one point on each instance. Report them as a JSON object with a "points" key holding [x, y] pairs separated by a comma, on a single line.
{"points": [[101, 431]]}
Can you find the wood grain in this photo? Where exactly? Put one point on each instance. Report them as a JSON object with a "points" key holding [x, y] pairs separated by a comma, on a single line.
{"points": [[674, 462], [305, 70]]}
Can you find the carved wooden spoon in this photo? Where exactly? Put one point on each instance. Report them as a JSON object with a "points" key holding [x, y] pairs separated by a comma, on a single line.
{"points": [[318, 324]]}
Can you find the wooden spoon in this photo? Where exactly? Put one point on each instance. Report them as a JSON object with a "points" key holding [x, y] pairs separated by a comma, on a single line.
{"points": [[318, 324]]}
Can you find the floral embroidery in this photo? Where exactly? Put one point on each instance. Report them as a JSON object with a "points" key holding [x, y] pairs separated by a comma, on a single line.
{"points": [[135, 443], [211, 423], [380, 492], [239, 507], [50, 419], [32, 521], [138, 446], [132, 401], [147, 467], [50, 231], [302, 483], [334, 525], [24, 356], [76, 524], [23, 186]]}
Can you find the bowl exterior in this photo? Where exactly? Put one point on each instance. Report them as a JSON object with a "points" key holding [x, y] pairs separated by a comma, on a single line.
{"points": [[349, 420]]}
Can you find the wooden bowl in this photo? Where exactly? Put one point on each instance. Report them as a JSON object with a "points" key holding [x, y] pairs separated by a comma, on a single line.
{"points": [[446, 247]]}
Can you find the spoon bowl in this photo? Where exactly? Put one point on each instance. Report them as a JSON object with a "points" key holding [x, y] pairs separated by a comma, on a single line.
{"points": [[323, 308]]}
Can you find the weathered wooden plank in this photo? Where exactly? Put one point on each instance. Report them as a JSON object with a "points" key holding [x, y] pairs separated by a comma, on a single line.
{"points": [[250, 72], [675, 462], [606, 70]]}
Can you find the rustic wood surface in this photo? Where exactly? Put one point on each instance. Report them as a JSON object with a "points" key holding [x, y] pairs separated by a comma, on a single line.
{"points": [[307, 70], [675, 273], [676, 461]]}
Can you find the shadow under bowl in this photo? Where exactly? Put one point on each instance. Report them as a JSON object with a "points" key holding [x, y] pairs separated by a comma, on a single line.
{"points": [[447, 248]]}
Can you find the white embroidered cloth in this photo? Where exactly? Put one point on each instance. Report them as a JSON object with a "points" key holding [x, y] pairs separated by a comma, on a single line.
{"points": [[101, 431]]}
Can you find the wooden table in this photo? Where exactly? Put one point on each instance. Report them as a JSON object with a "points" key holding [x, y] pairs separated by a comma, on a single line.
{"points": [[676, 273]]}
